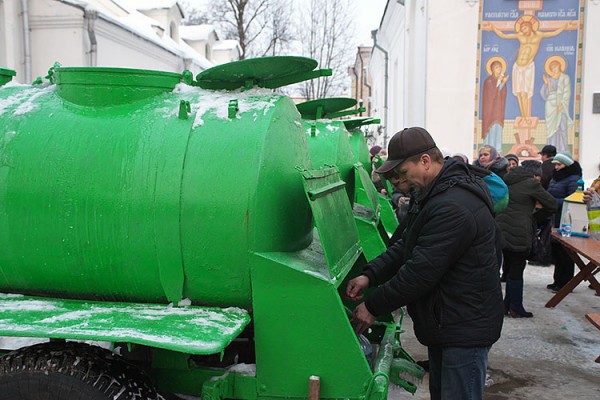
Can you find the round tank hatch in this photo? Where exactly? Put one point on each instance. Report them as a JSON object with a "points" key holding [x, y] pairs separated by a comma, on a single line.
{"points": [[269, 72], [101, 86], [6, 75], [310, 109]]}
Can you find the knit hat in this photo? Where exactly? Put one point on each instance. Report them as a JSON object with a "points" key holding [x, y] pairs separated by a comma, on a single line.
{"points": [[564, 157], [512, 157]]}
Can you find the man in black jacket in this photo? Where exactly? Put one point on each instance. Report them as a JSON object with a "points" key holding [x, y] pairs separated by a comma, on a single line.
{"points": [[443, 267]]}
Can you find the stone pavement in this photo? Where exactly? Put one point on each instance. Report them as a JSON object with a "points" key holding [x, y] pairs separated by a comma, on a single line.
{"points": [[547, 357]]}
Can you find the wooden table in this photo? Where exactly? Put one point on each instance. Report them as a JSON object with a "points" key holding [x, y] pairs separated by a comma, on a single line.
{"points": [[594, 318], [578, 247]]}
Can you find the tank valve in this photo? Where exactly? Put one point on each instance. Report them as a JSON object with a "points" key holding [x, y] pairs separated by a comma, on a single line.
{"points": [[232, 109], [184, 109]]}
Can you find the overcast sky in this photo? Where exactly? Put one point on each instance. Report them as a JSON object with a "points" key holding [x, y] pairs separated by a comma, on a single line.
{"points": [[368, 17]]}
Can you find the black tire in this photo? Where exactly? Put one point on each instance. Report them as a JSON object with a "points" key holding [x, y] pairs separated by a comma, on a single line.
{"points": [[71, 371]]}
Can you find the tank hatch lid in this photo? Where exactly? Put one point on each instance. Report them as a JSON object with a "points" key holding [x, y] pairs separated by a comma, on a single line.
{"points": [[265, 72], [354, 123], [6, 75], [108, 86], [332, 107], [190, 329]]}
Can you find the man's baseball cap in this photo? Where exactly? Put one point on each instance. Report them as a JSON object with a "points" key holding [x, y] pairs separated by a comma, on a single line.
{"points": [[405, 144], [549, 150]]}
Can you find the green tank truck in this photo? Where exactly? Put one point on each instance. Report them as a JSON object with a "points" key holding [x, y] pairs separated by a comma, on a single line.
{"points": [[181, 221]]}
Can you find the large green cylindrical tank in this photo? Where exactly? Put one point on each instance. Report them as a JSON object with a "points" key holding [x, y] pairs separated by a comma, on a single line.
{"points": [[119, 184], [360, 148], [329, 144]]}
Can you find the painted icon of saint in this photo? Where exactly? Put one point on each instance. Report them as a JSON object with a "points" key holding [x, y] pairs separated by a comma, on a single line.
{"points": [[493, 102], [556, 92]]}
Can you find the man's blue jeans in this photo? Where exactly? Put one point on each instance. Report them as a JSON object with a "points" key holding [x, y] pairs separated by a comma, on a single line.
{"points": [[457, 373]]}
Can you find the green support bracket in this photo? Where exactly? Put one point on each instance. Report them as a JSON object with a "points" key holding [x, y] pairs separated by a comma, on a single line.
{"points": [[320, 112]]}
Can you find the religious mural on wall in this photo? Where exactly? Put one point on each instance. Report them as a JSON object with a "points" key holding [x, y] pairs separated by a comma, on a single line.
{"points": [[529, 66]]}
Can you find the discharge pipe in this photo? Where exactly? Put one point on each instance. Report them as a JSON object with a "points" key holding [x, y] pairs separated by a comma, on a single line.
{"points": [[91, 15]]}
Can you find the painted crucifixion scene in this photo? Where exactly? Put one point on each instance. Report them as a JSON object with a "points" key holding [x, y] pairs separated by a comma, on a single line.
{"points": [[529, 66]]}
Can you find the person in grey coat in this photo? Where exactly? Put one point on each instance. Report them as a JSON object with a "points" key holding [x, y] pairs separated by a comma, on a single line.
{"points": [[516, 223]]}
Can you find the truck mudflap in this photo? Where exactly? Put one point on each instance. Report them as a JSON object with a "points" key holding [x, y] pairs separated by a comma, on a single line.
{"points": [[188, 329]]}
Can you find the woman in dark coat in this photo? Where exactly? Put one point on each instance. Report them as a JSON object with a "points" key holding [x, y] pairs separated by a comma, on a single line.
{"points": [[516, 223], [563, 183], [491, 160]]}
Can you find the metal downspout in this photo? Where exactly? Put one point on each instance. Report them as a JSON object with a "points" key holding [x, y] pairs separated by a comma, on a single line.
{"points": [[365, 82], [26, 40], [356, 79], [386, 78], [91, 15]]}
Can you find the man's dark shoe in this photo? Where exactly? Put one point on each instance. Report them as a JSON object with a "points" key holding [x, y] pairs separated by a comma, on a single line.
{"points": [[551, 286], [556, 288]]}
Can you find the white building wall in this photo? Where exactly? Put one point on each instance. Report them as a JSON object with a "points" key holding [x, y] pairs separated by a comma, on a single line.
{"points": [[451, 70], [58, 32], [119, 48], [433, 59], [391, 38], [415, 61], [11, 37], [589, 143], [57, 35]]}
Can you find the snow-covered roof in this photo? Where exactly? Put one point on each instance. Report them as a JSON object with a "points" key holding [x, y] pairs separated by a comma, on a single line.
{"points": [[197, 32], [228, 44], [155, 4], [152, 4], [136, 22]]}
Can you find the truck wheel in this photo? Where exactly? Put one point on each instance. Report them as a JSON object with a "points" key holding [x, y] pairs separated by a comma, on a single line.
{"points": [[71, 370]]}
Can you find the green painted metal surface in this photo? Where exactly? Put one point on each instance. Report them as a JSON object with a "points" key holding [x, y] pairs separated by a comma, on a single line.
{"points": [[329, 144], [126, 202], [321, 108], [332, 214], [6, 75], [121, 186], [266, 72], [191, 329]]}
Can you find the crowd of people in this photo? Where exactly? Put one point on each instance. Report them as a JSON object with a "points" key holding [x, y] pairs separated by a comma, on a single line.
{"points": [[456, 242]]}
